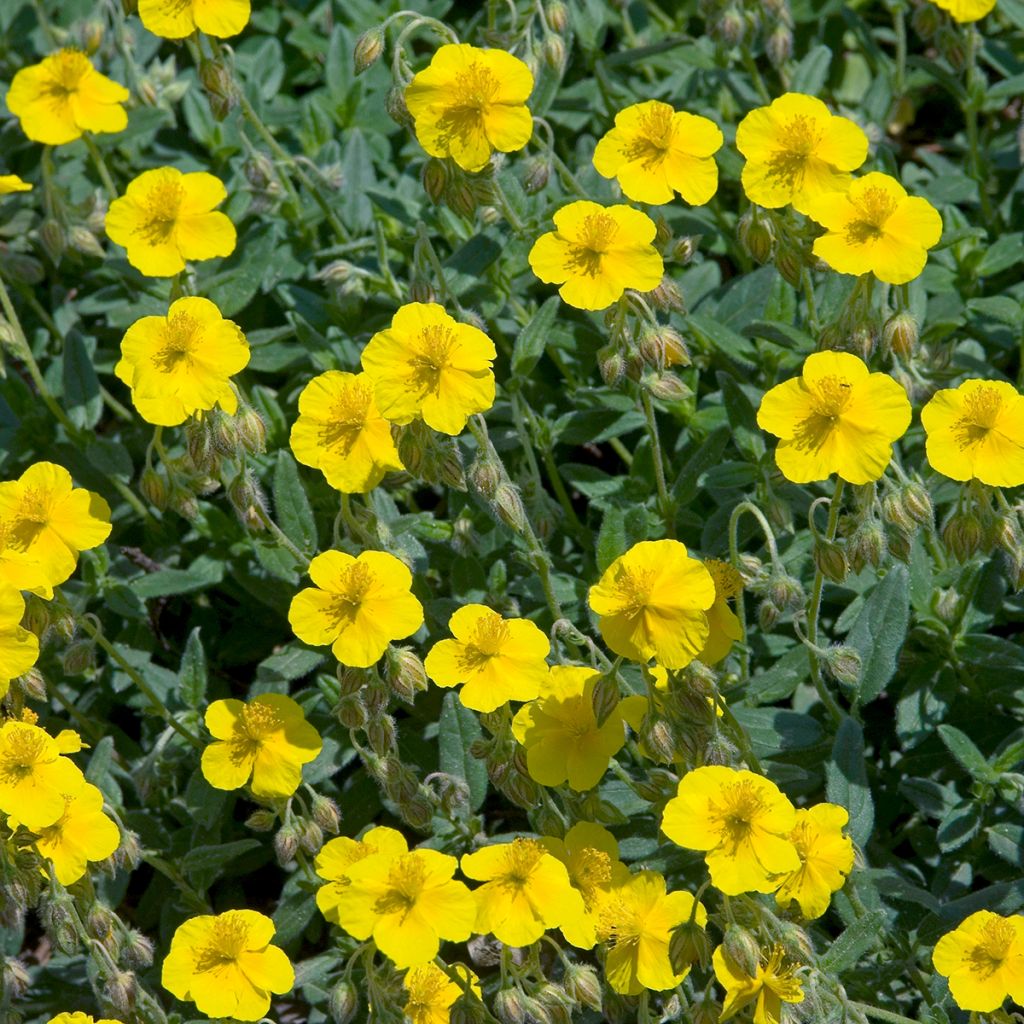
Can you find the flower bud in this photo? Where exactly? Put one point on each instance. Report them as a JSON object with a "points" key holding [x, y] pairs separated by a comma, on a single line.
{"points": [[286, 844], [183, 501], [844, 663], [137, 950], [779, 45], [612, 365], [252, 431], [343, 1002], [732, 26], [926, 20], [508, 504], [83, 241], [153, 488], [790, 263], [435, 179], [350, 711], [830, 558], [14, 979], [538, 173], [368, 49], [394, 105], [721, 751], [120, 991], [950, 43], [129, 853], [768, 613], [785, 591], [667, 297], [418, 813], [605, 698], [756, 235], [666, 387], [689, 944], [33, 684], [350, 680], [658, 739], [485, 475], [742, 948], [508, 1006], [52, 239], [381, 733], [962, 535], [899, 544], [900, 335], [867, 545], [554, 52], [684, 249], [894, 512], [325, 813], [220, 88], [311, 837], [583, 986], [261, 821], [521, 790], [918, 503]]}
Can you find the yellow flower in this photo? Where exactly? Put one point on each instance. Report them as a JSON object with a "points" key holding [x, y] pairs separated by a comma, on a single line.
{"points": [[337, 856], [19, 648], [797, 150], [966, 10], [17, 570], [63, 96], [560, 732], [596, 252], [341, 432], [637, 918], [826, 858], [224, 963], [34, 777], [50, 521], [470, 102], [358, 605], [741, 821], [525, 891], [835, 418], [875, 227], [976, 432], [652, 603], [81, 834], [431, 993], [407, 904], [496, 660], [78, 1018], [12, 183], [166, 217], [984, 961], [267, 739], [655, 151], [591, 856], [724, 628], [182, 363], [176, 19], [772, 985], [427, 364]]}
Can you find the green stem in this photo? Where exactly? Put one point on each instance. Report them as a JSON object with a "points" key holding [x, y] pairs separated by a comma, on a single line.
{"points": [[880, 1014], [899, 25], [281, 537], [812, 309], [427, 246], [101, 165], [971, 120], [506, 207], [755, 75], [665, 503], [814, 611]]}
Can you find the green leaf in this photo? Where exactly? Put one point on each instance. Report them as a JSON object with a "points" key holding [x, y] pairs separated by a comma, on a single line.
{"points": [[846, 780], [192, 676], [880, 631], [291, 504], [812, 72], [611, 538], [529, 345], [853, 943], [202, 573], [81, 385], [202, 864], [747, 437], [457, 729], [1005, 252], [962, 747]]}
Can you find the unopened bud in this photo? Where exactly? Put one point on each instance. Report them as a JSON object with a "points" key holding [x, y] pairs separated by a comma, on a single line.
{"points": [[14, 979], [508, 504], [844, 663], [558, 16], [508, 1006], [732, 26], [684, 249], [918, 503], [689, 944], [667, 296], [343, 1002], [899, 544], [779, 45], [900, 334], [963, 535], [52, 239], [351, 712], [658, 739], [405, 673], [768, 613], [252, 431], [893, 511], [925, 20], [756, 235], [153, 488], [129, 853], [184, 502], [350, 680], [950, 42], [612, 365], [311, 837], [286, 844], [394, 104], [583, 986], [221, 91], [120, 990], [83, 241], [325, 813], [554, 52], [435, 179], [742, 949], [79, 658], [604, 698], [666, 387], [418, 813], [721, 751], [867, 545], [137, 950], [538, 173], [790, 263], [368, 49], [485, 475], [786, 592], [33, 684], [262, 820], [381, 733], [830, 558]]}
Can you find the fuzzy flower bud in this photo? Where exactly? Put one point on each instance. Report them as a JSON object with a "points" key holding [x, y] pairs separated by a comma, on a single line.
{"points": [[153, 488], [368, 49], [742, 948], [900, 335], [325, 813], [689, 944], [605, 698], [757, 236], [343, 1002], [844, 663], [830, 558], [963, 535]]}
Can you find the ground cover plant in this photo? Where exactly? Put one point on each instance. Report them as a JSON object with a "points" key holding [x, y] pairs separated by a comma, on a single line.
{"points": [[510, 512]]}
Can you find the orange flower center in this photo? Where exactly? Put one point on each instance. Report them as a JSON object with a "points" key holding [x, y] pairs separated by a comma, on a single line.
{"points": [[347, 419], [874, 208], [653, 136], [829, 397], [997, 936], [797, 140], [180, 340], [980, 412], [593, 240], [23, 750], [160, 209], [472, 92]]}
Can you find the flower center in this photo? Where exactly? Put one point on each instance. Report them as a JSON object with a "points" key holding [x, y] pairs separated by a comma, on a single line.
{"points": [[473, 91], [227, 941], [874, 208], [829, 397], [180, 339], [797, 141], [20, 755], [728, 582], [348, 418], [653, 136], [593, 240], [490, 634], [67, 68], [779, 976], [590, 871], [980, 412], [520, 860], [436, 343], [259, 720], [351, 589], [427, 996], [634, 587], [739, 808], [160, 210], [619, 922], [993, 946], [405, 884], [53, 833]]}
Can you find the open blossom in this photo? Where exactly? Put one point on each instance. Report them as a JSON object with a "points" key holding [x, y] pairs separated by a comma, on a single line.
{"points": [[796, 150], [837, 417], [724, 628], [341, 432], [470, 102], [430, 993], [35, 777], [225, 964], [267, 740], [742, 822], [875, 227], [428, 365], [966, 10], [165, 218], [494, 659], [654, 152], [182, 364], [19, 648], [596, 252], [358, 605], [78, 1018], [339, 855], [983, 958], [63, 96], [773, 983], [176, 19], [826, 858], [525, 891], [407, 904], [652, 603], [976, 432]]}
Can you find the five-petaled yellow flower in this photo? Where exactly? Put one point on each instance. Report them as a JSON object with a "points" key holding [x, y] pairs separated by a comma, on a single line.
{"points": [[341, 432], [35, 777], [19, 648], [470, 102], [63, 96], [966, 10], [12, 183], [407, 904], [267, 740], [741, 821], [796, 149], [976, 432], [428, 365], [773, 983], [430, 993], [836, 417], [182, 363], [596, 252], [826, 858], [654, 152], [358, 605], [166, 217], [225, 964], [652, 603], [525, 891], [496, 660], [983, 959], [560, 732], [83, 833], [334, 860], [176, 19], [78, 1018], [875, 227], [637, 919], [49, 520], [724, 628]]}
